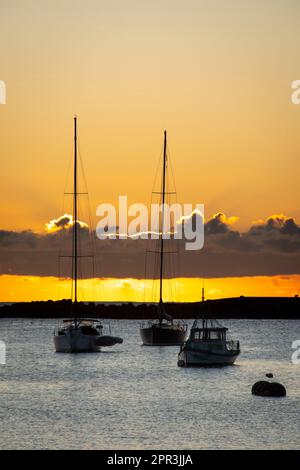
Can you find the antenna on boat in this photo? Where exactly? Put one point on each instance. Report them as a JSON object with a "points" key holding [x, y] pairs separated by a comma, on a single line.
{"points": [[203, 296]]}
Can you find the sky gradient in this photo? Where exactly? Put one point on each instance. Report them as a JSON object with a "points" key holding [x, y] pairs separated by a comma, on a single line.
{"points": [[216, 74]]}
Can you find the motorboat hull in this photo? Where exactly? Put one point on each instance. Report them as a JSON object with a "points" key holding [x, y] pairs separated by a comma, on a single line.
{"points": [[198, 358], [166, 335]]}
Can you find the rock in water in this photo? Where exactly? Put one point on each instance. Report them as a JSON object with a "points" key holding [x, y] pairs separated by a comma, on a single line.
{"points": [[268, 389]]}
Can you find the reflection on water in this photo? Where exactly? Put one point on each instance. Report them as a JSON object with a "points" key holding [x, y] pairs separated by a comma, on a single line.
{"points": [[136, 397]]}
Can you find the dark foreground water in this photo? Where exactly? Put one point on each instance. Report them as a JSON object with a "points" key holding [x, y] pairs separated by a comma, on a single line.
{"points": [[134, 397]]}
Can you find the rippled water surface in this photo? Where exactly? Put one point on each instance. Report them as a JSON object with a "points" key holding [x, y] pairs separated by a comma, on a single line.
{"points": [[136, 397]]}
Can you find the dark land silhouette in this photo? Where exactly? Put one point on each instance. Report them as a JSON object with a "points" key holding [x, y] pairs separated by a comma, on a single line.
{"points": [[239, 307]]}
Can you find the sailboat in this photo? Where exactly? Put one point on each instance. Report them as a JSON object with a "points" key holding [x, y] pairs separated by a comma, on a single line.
{"points": [[208, 345], [79, 334], [164, 331]]}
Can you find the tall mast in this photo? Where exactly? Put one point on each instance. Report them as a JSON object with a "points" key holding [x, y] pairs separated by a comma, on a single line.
{"points": [[75, 267], [162, 225]]}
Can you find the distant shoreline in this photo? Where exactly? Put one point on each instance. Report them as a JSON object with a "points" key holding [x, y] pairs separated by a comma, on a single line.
{"points": [[232, 308]]}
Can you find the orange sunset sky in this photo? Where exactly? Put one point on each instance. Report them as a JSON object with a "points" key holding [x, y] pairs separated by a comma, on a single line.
{"points": [[216, 74]]}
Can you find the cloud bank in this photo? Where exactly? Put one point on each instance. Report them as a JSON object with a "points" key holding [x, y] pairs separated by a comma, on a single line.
{"points": [[268, 247]]}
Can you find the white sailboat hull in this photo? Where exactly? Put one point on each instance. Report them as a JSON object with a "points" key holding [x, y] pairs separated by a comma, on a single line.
{"points": [[75, 342]]}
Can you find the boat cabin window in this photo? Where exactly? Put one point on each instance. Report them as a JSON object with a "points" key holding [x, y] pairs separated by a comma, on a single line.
{"points": [[198, 335], [206, 334], [215, 335]]}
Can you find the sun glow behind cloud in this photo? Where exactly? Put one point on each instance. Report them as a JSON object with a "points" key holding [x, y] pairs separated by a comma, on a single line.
{"points": [[28, 288], [63, 222]]}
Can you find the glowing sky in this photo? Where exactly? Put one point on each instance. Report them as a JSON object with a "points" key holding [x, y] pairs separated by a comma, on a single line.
{"points": [[28, 288], [217, 74]]}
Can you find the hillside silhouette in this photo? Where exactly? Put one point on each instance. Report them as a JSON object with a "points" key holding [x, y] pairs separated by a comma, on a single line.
{"points": [[239, 307]]}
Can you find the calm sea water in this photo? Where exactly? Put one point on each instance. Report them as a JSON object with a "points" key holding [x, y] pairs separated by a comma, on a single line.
{"points": [[134, 397]]}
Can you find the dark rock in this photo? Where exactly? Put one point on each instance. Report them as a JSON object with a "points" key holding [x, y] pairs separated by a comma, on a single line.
{"points": [[268, 389], [269, 375]]}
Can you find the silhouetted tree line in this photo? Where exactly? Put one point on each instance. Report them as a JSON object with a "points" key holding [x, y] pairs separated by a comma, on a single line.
{"points": [[240, 307]]}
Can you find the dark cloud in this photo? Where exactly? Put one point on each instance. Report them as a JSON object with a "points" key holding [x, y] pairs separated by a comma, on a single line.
{"points": [[267, 248], [276, 224], [62, 222], [26, 238], [290, 227], [216, 225], [278, 234]]}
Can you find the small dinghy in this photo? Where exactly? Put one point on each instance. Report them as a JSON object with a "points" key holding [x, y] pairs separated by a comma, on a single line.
{"points": [[106, 340]]}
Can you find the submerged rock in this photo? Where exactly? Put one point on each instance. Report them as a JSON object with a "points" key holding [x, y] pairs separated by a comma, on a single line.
{"points": [[268, 389]]}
